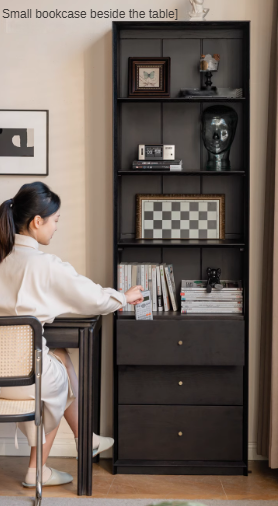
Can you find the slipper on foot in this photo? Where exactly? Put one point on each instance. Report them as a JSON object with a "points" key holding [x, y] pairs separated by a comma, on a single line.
{"points": [[56, 478], [104, 444]]}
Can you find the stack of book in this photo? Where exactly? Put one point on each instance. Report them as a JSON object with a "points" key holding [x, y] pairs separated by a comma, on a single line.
{"points": [[196, 299], [158, 278], [157, 164]]}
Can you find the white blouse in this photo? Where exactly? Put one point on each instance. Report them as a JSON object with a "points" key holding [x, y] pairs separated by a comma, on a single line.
{"points": [[42, 285]]}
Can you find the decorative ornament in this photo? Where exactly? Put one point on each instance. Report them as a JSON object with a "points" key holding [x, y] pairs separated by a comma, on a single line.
{"points": [[198, 13]]}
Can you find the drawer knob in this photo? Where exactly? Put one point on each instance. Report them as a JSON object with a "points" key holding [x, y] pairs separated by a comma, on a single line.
{"points": [[180, 343], [180, 433], [180, 382]]}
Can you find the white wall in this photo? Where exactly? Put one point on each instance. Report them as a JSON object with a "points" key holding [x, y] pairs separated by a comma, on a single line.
{"points": [[66, 66]]}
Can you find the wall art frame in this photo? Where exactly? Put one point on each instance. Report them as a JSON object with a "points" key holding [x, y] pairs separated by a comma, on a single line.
{"points": [[180, 216], [24, 142], [149, 76]]}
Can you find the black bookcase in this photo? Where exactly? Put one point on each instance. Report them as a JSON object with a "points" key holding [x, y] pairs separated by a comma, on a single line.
{"points": [[181, 381]]}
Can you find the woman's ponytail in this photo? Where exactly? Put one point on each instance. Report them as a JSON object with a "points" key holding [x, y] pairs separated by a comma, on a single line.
{"points": [[32, 199], [7, 229]]}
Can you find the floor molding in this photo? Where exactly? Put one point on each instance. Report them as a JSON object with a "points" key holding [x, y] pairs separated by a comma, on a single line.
{"points": [[65, 447], [62, 447]]}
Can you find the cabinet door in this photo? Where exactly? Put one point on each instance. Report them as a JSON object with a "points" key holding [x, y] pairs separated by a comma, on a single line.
{"points": [[180, 433], [180, 342]]}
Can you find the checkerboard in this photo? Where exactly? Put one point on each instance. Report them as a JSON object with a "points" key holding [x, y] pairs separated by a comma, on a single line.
{"points": [[190, 219]]}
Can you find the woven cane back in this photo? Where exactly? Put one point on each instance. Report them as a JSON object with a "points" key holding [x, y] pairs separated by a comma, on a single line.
{"points": [[16, 351]]}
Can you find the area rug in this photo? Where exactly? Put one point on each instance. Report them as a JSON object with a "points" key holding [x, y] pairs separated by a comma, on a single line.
{"points": [[81, 501]]}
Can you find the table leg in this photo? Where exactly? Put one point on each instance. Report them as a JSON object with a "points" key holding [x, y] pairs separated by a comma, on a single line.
{"points": [[97, 343], [82, 486]]}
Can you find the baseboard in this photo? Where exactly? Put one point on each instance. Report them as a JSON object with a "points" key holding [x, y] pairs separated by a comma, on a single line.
{"points": [[65, 447], [252, 452], [62, 447]]}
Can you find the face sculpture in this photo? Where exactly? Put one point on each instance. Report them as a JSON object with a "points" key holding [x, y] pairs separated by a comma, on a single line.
{"points": [[218, 130]]}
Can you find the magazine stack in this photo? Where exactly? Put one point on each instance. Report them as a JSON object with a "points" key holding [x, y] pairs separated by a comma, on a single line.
{"points": [[155, 277], [195, 298]]}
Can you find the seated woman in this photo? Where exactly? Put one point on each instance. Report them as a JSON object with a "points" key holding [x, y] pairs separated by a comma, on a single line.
{"points": [[40, 284]]}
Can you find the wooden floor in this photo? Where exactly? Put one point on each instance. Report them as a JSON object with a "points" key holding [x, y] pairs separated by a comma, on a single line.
{"points": [[262, 483]]}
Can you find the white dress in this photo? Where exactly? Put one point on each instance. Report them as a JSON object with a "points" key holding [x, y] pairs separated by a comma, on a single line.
{"points": [[42, 285]]}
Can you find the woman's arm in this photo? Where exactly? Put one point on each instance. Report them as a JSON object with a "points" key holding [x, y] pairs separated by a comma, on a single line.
{"points": [[70, 292]]}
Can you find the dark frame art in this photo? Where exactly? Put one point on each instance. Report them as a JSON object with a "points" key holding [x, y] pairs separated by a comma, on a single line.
{"points": [[149, 77], [24, 142]]}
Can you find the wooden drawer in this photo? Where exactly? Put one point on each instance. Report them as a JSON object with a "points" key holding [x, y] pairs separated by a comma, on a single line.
{"points": [[191, 342], [180, 385], [152, 433]]}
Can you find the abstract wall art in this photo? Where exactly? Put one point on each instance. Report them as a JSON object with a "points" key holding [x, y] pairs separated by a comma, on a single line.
{"points": [[24, 142]]}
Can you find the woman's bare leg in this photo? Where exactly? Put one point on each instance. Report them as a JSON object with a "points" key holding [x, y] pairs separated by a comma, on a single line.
{"points": [[71, 413], [46, 447]]}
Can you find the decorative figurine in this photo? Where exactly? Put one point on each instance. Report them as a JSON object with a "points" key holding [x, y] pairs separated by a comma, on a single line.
{"points": [[198, 13], [219, 124], [213, 276], [208, 64]]}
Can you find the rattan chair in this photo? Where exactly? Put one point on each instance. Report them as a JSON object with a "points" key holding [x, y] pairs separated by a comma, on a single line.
{"points": [[21, 364]]}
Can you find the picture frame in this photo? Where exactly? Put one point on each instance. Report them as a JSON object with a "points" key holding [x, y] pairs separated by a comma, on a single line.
{"points": [[24, 142], [149, 76], [180, 216]]}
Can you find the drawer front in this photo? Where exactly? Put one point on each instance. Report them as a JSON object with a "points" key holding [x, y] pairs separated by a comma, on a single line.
{"points": [[180, 433], [180, 385], [180, 342]]}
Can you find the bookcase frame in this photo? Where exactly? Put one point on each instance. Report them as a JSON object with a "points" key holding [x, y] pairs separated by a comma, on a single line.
{"points": [[153, 120]]}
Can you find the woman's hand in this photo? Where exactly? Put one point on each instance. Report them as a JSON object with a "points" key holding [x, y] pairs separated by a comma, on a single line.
{"points": [[134, 295]]}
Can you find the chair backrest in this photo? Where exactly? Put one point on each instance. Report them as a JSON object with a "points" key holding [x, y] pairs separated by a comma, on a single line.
{"points": [[20, 336]]}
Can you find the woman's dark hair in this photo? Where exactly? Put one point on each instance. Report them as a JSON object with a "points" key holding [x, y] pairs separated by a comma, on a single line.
{"points": [[16, 214]]}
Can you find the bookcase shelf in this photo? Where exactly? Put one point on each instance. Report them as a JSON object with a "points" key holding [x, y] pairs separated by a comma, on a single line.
{"points": [[149, 172], [180, 99], [182, 243], [176, 315], [181, 378]]}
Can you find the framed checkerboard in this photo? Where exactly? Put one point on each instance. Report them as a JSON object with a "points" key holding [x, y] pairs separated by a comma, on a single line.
{"points": [[180, 216]]}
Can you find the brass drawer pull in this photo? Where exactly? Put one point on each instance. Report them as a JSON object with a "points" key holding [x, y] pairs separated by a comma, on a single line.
{"points": [[180, 382], [180, 343], [180, 433]]}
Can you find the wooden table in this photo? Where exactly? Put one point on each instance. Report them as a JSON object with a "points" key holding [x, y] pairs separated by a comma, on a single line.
{"points": [[83, 332]]}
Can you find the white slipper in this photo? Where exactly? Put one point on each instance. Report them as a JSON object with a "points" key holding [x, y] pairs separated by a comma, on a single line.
{"points": [[56, 478], [104, 444]]}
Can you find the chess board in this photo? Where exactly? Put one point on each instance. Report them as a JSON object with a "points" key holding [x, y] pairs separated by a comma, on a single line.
{"points": [[180, 219]]}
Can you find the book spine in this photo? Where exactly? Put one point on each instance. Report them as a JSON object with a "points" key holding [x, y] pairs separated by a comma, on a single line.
{"points": [[171, 271], [170, 288], [154, 288], [129, 306], [210, 304], [211, 296], [126, 282], [211, 310], [150, 281], [146, 277], [138, 279], [142, 279], [164, 289], [159, 293], [121, 281]]}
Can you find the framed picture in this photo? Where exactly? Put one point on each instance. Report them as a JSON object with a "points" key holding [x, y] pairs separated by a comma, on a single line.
{"points": [[24, 142], [149, 77], [180, 216]]}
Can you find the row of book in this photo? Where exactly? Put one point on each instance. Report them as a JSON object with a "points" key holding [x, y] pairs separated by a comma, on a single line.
{"points": [[157, 164], [196, 299], [157, 278]]}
